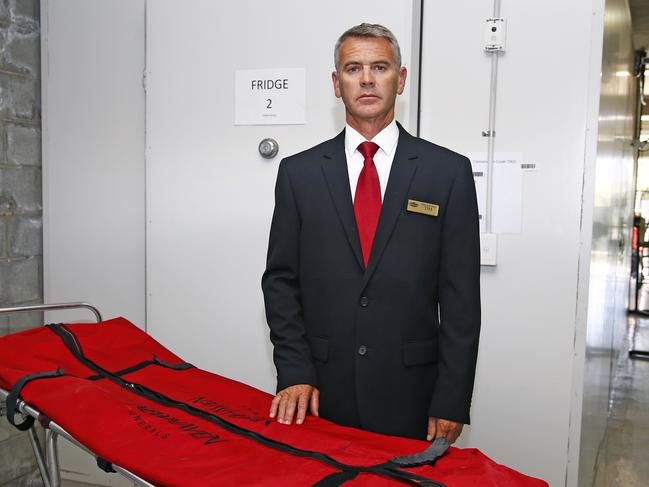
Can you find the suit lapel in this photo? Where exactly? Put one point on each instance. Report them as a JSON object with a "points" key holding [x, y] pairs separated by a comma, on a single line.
{"points": [[403, 169], [334, 168]]}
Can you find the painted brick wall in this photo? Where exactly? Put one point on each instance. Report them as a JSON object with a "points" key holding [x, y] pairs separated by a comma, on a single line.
{"points": [[21, 235]]}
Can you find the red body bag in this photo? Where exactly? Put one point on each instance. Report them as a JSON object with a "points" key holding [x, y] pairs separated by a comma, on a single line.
{"points": [[134, 404]]}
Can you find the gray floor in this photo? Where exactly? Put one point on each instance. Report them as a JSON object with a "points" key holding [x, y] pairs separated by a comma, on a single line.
{"points": [[623, 458]]}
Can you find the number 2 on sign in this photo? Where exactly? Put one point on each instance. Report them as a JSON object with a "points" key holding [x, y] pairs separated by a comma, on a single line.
{"points": [[270, 103]]}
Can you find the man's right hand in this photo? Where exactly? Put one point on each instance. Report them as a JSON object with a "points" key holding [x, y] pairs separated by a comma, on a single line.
{"points": [[295, 398]]}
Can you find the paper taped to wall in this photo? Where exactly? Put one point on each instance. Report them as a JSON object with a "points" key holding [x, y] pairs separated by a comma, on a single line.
{"points": [[507, 210], [270, 96]]}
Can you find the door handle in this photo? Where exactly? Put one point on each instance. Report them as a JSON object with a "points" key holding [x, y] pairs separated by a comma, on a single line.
{"points": [[268, 148]]}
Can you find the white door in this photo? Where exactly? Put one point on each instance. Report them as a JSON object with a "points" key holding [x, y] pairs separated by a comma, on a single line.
{"points": [[209, 192]]}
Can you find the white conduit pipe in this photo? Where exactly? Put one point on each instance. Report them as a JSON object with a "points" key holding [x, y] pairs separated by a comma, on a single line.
{"points": [[491, 130]]}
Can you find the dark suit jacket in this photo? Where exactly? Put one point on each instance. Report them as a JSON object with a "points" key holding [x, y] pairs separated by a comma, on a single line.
{"points": [[397, 342]]}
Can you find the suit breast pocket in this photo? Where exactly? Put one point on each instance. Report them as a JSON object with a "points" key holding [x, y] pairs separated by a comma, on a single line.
{"points": [[418, 225]]}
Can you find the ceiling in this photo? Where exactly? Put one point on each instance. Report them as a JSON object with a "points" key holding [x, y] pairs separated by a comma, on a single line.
{"points": [[640, 23]]}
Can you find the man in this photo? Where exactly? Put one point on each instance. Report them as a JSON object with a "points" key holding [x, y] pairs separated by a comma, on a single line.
{"points": [[372, 279]]}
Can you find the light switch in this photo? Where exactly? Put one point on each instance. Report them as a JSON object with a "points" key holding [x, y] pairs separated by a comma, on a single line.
{"points": [[488, 248]]}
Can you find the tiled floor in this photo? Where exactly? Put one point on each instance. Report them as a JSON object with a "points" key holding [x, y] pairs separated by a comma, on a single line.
{"points": [[623, 458]]}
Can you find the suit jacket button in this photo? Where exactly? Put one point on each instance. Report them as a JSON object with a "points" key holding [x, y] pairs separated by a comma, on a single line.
{"points": [[362, 350], [365, 301]]}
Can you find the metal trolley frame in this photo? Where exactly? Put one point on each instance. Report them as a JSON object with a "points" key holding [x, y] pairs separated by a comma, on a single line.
{"points": [[48, 457]]}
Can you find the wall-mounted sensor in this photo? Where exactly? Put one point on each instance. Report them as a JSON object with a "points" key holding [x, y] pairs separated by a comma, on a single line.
{"points": [[268, 148], [495, 35]]}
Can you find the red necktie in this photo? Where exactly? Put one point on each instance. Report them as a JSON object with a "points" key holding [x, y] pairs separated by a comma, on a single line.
{"points": [[367, 201]]}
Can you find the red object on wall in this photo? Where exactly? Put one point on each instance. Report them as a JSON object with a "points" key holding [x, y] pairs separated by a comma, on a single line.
{"points": [[170, 446]]}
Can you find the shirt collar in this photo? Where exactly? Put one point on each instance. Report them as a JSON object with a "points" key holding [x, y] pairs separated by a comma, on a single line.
{"points": [[386, 139]]}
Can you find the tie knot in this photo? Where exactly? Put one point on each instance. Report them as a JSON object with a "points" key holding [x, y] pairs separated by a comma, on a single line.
{"points": [[368, 149]]}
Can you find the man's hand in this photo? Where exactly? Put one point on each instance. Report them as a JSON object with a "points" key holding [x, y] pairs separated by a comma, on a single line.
{"points": [[298, 397], [443, 428]]}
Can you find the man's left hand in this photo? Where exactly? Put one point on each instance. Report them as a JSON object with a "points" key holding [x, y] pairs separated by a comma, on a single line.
{"points": [[443, 428]]}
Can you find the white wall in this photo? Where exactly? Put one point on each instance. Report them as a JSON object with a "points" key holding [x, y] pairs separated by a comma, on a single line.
{"points": [[546, 110], [93, 155]]}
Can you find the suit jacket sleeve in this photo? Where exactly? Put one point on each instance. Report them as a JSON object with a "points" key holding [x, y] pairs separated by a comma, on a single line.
{"points": [[459, 301], [280, 284]]}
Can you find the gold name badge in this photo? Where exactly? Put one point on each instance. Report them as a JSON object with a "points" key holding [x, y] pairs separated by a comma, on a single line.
{"points": [[423, 208]]}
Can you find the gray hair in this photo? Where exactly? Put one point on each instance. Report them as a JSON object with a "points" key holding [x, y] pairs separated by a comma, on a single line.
{"points": [[369, 30]]}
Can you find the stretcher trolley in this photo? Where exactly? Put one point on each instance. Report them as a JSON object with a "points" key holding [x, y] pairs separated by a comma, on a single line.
{"points": [[143, 412]]}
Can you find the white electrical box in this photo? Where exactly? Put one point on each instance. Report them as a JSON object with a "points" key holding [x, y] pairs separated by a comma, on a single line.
{"points": [[488, 248], [495, 35]]}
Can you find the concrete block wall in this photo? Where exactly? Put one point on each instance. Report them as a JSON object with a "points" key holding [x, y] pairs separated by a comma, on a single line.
{"points": [[21, 236]]}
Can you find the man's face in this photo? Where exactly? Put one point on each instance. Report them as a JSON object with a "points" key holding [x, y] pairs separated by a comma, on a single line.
{"points": [[368, 79]]}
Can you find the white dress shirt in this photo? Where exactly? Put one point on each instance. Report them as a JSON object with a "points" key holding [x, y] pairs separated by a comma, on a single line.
{"points": [[386, 139]]}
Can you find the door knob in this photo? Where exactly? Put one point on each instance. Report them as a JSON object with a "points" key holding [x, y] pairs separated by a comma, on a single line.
{"points": [[268, 148]]}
